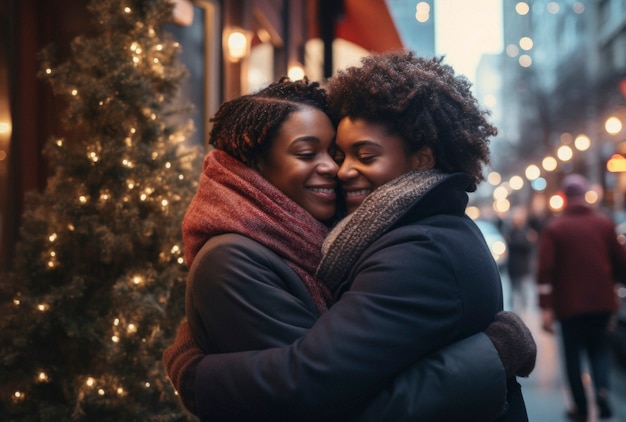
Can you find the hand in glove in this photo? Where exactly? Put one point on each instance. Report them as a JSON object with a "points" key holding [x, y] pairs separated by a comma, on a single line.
{"points": [[514, 343]]}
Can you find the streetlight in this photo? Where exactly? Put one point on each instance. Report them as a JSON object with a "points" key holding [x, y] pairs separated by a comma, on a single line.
{"points": [[613, 125], [582, 142]]}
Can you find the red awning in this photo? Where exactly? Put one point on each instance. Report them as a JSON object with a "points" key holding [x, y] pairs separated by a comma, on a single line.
{"points": [[367, 24]]}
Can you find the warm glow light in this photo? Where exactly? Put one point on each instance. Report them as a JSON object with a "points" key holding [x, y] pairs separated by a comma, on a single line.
{"points": [[613, 125], [422, 12], [564, 153], [473, 212], [502, 205], [516, 182], [532, 172], [582, 142], [591, 197], [137, 280], [5, 128], [237, 44], [90, 382], [295, 73], [556, 202], [500, 192], [494, 178], [115, 339], [526, 43], [522, 8], [616, 164], [525, 60], [549, 163]]}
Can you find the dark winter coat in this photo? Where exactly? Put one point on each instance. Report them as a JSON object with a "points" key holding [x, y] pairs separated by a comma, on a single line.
{"points": [[579, 261], [428, 282], [520, 252]]}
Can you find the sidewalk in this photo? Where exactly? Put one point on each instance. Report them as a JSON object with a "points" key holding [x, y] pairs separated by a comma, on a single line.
{"points": [[544, 390]]}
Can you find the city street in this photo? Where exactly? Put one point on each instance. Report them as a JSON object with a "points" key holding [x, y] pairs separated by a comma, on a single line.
{"points": [[544, 391]]}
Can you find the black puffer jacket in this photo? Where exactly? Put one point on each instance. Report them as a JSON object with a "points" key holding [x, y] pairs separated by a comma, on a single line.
{"points": [[428, 282]]}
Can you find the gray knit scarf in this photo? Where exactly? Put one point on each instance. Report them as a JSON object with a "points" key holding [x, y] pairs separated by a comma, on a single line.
{"points": [[378, 212]]}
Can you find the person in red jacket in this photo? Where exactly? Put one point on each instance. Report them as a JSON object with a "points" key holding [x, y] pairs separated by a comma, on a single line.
{"points": [[579, 262]]}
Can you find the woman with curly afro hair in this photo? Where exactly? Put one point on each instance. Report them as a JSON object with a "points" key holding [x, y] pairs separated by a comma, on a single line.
{"points": [[412, 271]]}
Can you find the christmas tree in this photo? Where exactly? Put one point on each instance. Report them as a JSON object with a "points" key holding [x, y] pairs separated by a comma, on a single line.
{"points": [[97, 288]]}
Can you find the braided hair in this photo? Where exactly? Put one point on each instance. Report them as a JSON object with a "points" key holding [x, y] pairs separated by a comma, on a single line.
{"points": [[422, 101], [246, 127]]}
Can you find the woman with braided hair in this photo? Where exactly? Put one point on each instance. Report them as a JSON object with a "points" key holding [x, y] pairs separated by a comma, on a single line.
{"points": [[253, 235]]}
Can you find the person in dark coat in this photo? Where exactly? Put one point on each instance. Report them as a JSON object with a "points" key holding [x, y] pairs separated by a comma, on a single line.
{"points": [[411, 269], [579, 262], [520, 240]]}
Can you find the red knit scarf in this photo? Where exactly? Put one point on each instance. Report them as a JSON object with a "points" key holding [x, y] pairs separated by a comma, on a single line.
{"points": [[233, 198]]}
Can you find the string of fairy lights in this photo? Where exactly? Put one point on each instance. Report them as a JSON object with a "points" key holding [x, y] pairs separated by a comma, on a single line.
{"points": [[535, 175]]}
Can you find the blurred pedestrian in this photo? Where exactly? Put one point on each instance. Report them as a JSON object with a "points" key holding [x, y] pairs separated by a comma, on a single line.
{"points": [[579, 262], [520, 240]]}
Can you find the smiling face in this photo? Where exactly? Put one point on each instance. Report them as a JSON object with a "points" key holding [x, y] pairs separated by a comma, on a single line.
{"points": [[370, 156], [301, 164]]}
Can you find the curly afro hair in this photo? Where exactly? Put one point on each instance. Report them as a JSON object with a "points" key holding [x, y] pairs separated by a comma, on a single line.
{"points": [[247, 126], [422, 101]]}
